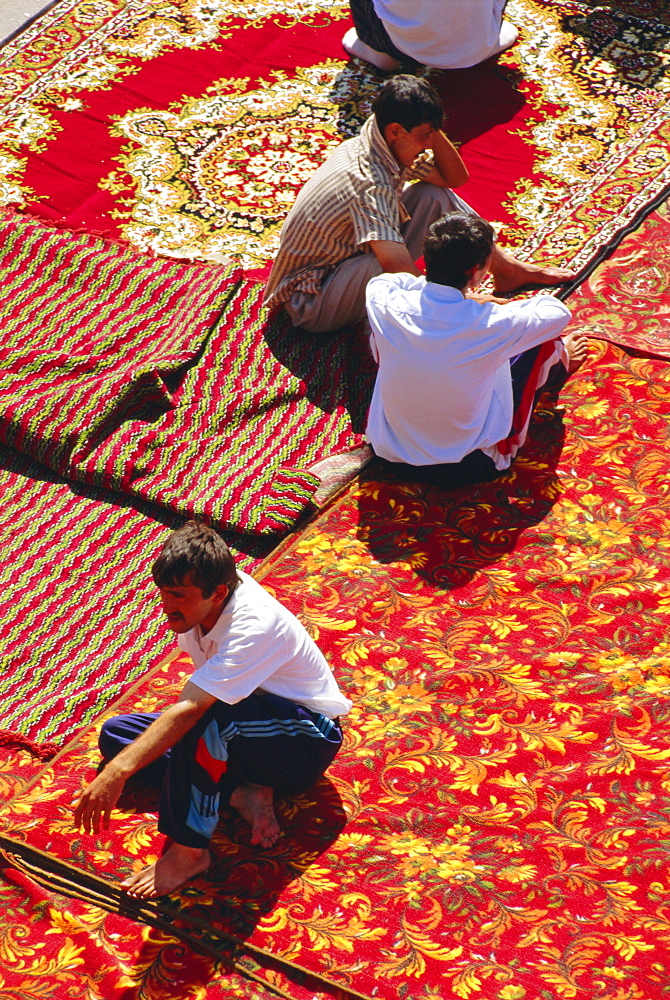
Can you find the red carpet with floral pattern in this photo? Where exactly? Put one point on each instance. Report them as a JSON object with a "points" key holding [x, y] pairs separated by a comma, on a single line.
{"points": [[67, 932], [504, 774]]}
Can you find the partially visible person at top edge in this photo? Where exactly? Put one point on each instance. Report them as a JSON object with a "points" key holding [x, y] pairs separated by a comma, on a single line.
{"points": [[444, 34]]}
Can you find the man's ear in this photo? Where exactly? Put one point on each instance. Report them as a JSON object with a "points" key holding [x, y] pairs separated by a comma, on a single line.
{"points": [[391, 132], [221, 593]]}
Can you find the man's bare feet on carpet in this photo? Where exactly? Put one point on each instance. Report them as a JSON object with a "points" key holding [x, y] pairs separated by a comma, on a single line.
{"points": [[255, 804], [353, 46], [577, 346], [177, 866], [510, 274]]}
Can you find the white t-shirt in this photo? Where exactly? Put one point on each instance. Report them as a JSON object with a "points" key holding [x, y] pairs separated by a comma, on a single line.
{"points": [[444, 387], [444, 33], [257, 644]]}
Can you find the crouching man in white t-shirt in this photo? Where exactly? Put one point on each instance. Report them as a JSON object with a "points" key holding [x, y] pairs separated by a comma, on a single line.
{"points": [[260, 714], [458, 372]]}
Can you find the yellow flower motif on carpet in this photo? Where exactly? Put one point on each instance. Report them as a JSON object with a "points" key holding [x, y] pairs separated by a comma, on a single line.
{"points": [[420, 857], [401, 700], [648, 675]]}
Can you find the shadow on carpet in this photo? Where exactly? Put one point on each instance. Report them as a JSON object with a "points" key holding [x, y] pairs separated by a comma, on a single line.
{"points": [[504, 769]]}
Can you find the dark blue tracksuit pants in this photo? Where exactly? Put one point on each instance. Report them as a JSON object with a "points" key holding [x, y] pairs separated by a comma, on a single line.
{"points": [[262, 740]]}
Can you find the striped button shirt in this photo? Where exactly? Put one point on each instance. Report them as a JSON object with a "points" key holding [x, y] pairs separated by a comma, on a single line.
{"points": [[352, 198]]}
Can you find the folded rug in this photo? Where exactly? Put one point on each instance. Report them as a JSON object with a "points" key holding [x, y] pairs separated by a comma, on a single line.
{"points": [[162, 380]]}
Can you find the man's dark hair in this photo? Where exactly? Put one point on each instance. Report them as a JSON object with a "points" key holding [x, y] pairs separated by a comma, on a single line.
{"points": [[409, 101], [198, 551], [454, 245]]}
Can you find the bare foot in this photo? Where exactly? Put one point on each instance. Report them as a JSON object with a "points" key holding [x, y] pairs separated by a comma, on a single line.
{"points": [[577, 347], [177, 866], [506, 39], [255, 803], [353, 46], [511, 274]]}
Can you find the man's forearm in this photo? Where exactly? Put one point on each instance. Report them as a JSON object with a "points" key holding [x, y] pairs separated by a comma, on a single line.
{"points": [[394, 257], [160, 736], [99, 798], [448, 162]]}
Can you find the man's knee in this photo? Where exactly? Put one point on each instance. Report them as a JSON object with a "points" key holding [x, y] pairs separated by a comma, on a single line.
{"points": [[442, 198], [118, 732], [429, 196], [430, 202], [107, 741], [306, 313]]}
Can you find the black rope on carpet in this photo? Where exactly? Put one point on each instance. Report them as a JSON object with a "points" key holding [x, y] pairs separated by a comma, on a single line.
{"points": [[62, 877]]}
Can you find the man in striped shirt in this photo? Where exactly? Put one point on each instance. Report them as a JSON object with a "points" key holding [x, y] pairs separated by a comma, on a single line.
{"points": [[357, 217]]}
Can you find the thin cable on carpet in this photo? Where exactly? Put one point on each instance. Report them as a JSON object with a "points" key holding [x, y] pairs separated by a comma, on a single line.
{"points": [[64, 878]]}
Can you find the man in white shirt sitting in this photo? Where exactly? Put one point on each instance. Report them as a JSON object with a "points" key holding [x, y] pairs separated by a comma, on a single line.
{"points": [[458, 372], [260, 714], [445, 34]]}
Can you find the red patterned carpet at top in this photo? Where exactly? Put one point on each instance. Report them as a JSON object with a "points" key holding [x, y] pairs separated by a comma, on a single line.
{"points": [[193, 129], [505, 650]]}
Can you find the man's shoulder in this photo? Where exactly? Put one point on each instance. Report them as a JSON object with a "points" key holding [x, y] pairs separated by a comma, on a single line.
{"points": [[352, 169], [386, 286], [363, 158], [256, 607], [354, 162]]}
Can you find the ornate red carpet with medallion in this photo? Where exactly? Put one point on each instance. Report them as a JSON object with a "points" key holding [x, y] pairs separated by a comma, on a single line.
{"points": [[192, 127]]}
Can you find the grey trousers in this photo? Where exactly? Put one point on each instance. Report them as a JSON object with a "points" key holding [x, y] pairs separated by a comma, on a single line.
{"points": [[341, 299]]}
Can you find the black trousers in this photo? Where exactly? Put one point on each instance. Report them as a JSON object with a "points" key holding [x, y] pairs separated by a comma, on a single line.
{"points": [[476, 467], [262, 740], [370, 29]]}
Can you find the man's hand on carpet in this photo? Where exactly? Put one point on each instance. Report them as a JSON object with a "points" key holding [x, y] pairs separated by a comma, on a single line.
{"points": [[95, 806], [486, 297]]}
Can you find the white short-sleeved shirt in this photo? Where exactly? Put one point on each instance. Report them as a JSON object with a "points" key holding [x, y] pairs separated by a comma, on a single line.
{"points": [[444, 387], [257, 644], [447, 34]]}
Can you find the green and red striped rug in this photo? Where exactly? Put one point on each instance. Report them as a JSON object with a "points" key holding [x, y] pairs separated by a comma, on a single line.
{"points": [[159, 381], [162, 380]]}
